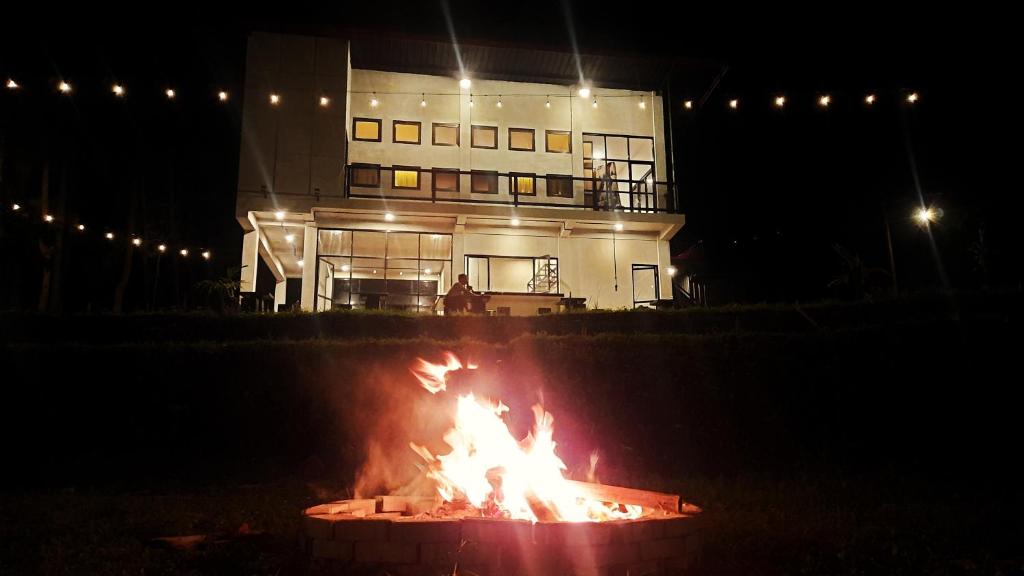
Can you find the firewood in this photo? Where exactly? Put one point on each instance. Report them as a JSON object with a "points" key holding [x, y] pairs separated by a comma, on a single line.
{"points": [[411, 505], [360, 507], [644, 498]]}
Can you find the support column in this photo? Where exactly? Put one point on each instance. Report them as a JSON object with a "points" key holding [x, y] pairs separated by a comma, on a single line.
{"points": [[250, 260], [664, 261], [280, 295], [309, 239]]}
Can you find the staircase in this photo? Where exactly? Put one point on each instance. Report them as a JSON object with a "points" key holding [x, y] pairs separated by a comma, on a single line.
{"points": [[545, 279]]}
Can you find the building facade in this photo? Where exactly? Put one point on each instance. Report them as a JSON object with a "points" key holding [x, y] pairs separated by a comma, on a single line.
{"points": [[372, 175]]}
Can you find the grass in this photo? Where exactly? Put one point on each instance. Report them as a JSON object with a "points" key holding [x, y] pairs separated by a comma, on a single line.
{"points": [[806, 524]]}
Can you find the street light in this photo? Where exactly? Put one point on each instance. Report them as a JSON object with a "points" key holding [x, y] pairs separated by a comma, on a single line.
{"points": [[926, 215]]}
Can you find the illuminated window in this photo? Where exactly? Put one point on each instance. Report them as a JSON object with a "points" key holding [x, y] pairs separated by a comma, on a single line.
{"points": [[558, 141], [406, 177], [524, 184], [446, 134], [559, 186], [446, 180], [366, 129], [405, 132], [482, 182], [521, 139], [484, 137], [366, 175]]}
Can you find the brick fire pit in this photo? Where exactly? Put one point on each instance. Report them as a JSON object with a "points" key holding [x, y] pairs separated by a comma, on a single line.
{"points": [[398, 536]]}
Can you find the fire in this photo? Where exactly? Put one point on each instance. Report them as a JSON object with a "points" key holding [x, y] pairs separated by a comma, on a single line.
{"points": [[495, 473]]}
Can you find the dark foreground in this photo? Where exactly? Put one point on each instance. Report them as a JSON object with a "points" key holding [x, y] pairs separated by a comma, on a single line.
{"points": [[803, 524]]}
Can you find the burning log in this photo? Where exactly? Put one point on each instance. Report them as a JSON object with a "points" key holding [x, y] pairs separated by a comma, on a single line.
{"points": [[617, 494]]}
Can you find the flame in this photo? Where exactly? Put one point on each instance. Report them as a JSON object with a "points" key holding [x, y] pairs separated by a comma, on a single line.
{"points": [[499, 475]]}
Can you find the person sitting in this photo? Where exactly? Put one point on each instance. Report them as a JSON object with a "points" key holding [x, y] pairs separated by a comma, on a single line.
{"points": [[457, 298]]}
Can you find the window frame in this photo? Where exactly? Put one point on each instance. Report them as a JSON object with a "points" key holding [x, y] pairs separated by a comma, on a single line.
{"points": [[433, 133], [562, 177], [394, 173], [419, 131], [454, 171], [547, 144], [491, 175], [377, 121], [374, 167], [533, 139], [472, 136], [513, 178]]}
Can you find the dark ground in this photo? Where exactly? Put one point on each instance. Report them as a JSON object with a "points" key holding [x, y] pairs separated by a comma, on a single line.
{"points": [[865, 439]]}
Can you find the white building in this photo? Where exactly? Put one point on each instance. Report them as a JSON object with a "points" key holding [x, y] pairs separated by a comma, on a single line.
{"points": [[373, 172]]}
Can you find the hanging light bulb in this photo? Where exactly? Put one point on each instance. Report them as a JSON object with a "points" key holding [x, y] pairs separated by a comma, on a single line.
{"points": [[780, 101], [12, 85], [109, 235], [289, 238], [734, 103], [594, 105], [206, 254], [48, 218], [81, 227], [222, 96], [824, 100], [325, 101], [869, 99], [423, 101], [15, 207], [584, 92], [618, 226], [170, 93], [515, 222], [275, 99], [136, 241], [547, 103], [279, 215], [465, 83], [373, 100], [389, 217], [499, 100], [301, 263], [183, 252], [162, 248], [64, 87], [470, 101], [912, 97], [118, 90], [688, 104]]}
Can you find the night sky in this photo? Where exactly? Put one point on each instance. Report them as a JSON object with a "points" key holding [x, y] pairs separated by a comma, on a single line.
{"points": [[768, 193]]}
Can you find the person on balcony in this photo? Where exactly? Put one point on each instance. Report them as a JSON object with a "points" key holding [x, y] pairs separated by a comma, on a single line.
{"points": [[459, 297]]}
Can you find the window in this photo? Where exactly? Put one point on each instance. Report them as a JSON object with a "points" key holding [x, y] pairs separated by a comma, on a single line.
{"points": [[484, 137], [366, 129], [446, 180], [558, 141], [484, 182], [406, 177], [524, 184], [445, 134], [559, 186], [405, 132], [367, 175], [521, 139], [514, 274]]}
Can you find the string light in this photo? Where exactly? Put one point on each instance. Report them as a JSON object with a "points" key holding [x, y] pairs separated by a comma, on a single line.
{"points": [[465, 83], [324, 101], [206, 254], [48, 218], [222, 96], [162, 248], [584, 92], [423, 101], [12, 85], [183, 252], [374, 101], [824, 100], [275, 99], [912, 97], [118, 90], [734, 103], [109, 235], [688, 104], [780, 101], [137, 241], [16, 207], [869, 99], [170, 93], [81, 227], [64, 87]]}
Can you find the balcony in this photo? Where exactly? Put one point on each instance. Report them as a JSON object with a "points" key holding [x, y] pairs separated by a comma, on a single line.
{"points": [[641, 194]]}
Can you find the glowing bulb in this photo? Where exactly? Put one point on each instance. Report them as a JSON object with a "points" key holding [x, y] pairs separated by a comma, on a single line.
{"points": [[279, 215], [389, 217], [584, 92], [926, 215], [374, 101], [118, 90], [64, 87], [162, 248], [547, 103], [48, 218], [734, 103], [595, 102], [912, 97], [515, 222], [780, 101], [206, 254], [16, 207], [170, 93], [109, 235], [289, 238], [81, 227], [470, 101], [183, 252], [423, 101], [465, 83], [137, 241], [618, 226], [345, 268], [642, 104], [688, 104], [869, 99], [324, 101], [671, 270], [275, 99], [427, 271], [824, 100], [11, 84], [222, 96], [499, 101], [300, 263]]}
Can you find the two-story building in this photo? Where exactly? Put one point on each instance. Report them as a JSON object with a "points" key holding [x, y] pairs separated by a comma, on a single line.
{"points": [[374, 171]]}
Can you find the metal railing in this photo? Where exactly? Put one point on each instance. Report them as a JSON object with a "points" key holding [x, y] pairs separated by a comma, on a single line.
{"points": [[509, 188]]}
